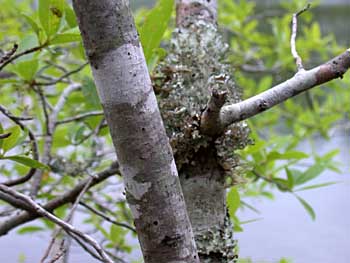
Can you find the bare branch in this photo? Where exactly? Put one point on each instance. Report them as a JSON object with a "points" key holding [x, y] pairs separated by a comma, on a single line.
{"points": [[67, 227], [51, 124], [33, 142], [295, 54], [25, 52], [8, 54], [106, 217], [68, 219], [300, 82], [62, 77], [80, 117], [68, 197]]}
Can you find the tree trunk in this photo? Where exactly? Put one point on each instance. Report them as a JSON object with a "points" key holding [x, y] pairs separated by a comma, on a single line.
{"points": [[151, 182], [204, 162]]}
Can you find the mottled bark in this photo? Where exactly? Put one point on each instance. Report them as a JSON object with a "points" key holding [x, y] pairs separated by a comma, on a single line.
{"points": [[151, 182], [203, 177]]}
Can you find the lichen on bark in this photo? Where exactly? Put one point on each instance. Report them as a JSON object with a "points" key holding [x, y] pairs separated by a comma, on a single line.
{"points": [[195, 66]]}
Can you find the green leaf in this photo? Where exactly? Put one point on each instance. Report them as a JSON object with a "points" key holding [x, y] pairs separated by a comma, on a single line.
{"points": [[307, 207], [50, 15], [27, 69], [90, 93], [70, 16], [233, 201], [152, 31], [65, 38], [11, 141], [26, 161], [250, 221], [158, 54], [290, 178], [310, 174], [36, 28], [315, 186], [29, 229], [286, 156], [116, 234]]}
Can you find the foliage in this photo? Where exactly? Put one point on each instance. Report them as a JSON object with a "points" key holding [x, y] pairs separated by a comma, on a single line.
{"points": [[79, 147]]}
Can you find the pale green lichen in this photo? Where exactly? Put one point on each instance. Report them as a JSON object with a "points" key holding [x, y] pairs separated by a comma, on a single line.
{"points": [[197, 64], [218, 242]]}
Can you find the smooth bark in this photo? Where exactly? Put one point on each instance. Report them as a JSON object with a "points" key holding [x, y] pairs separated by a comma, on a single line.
{"points": [[151, 181]]}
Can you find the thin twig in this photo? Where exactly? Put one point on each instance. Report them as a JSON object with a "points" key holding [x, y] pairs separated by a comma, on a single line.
{"points": [[62, 77], [65, 198], [67, 219], [33, 143], [294, 51], [80, 117], [5, 135], [68, 228], [50, 131], [25, 52], [106, 217], [8, 54]]}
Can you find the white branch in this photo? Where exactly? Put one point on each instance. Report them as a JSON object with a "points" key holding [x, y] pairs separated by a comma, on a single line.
{"points": [[67, 227], [300, 82]]}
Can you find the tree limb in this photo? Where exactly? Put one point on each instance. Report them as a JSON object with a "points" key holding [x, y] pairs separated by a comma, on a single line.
{"points": [[68, 197], [67, 227], [300, 82]]}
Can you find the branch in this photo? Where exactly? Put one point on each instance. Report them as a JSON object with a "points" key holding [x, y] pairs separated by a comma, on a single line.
{"points": [[8, 54], [106, 217], [51, 124], [300, 82], [68, 219], [80, 117], [62, 77], [67, 227], [25, 52], [68, 197], [33, 142], [295, 54]]}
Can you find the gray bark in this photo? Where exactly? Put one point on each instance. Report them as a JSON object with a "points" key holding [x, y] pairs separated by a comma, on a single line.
{"points": [[151, 181]]}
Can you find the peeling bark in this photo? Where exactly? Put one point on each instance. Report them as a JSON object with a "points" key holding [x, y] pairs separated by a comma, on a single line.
{"points": [[151, 182]]}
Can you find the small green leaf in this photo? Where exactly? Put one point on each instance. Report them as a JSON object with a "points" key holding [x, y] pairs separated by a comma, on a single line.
{"points": [[27, 69], [158, 54], [26, 161], [250, 221], [315, 186], [90, 93], [307, 207], [156, 22], [116, 234], [50, 15], [36, 28], [29, 229], [233, 201], [290, 178], [65, 38], [70, 16], [11, 141], [310, 174], [286, 156]]}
